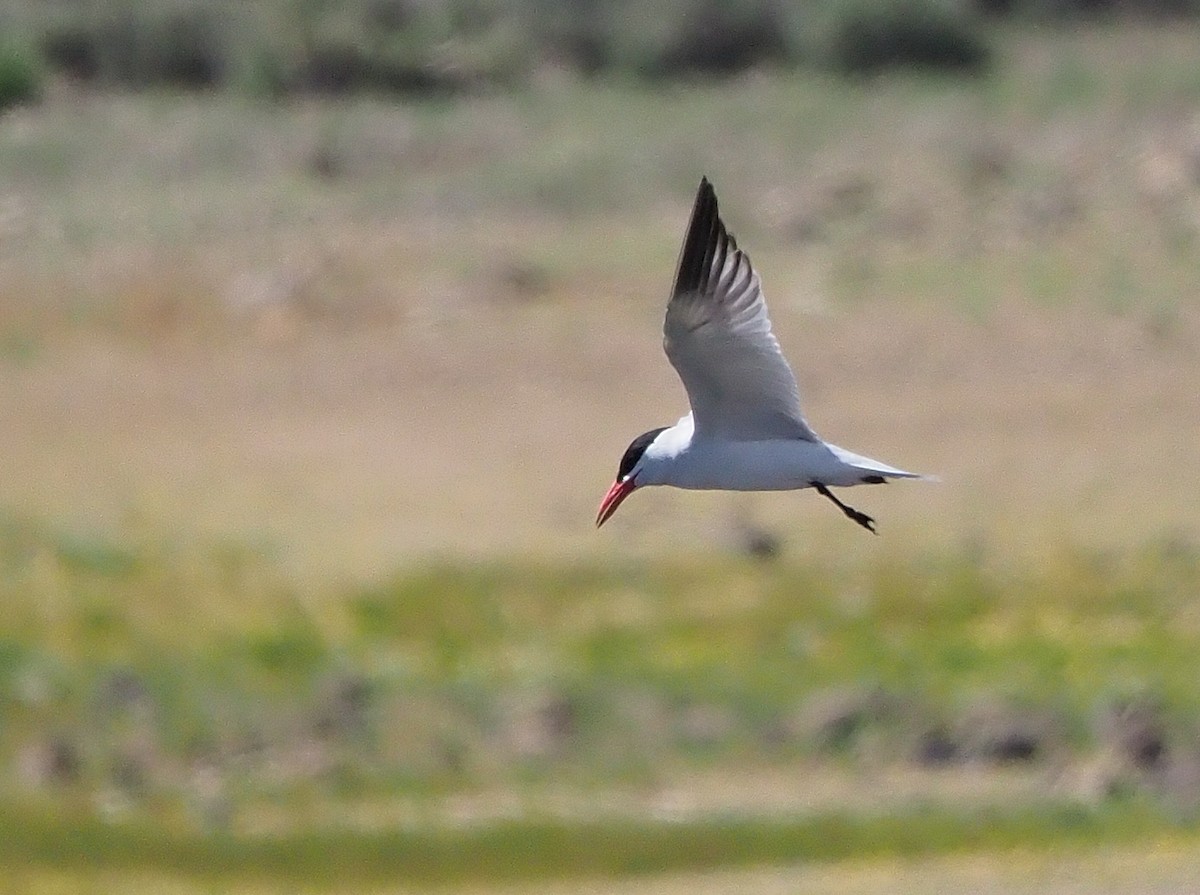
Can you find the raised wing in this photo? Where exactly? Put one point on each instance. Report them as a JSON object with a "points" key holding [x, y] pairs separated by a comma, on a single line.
{"points": [[718, 337]]}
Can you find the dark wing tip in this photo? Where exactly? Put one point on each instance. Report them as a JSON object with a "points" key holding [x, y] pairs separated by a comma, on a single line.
{"points": [[705, 234]]}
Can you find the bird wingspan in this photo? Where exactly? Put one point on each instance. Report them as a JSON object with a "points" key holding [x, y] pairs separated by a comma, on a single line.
{"points": [[718, 337]]}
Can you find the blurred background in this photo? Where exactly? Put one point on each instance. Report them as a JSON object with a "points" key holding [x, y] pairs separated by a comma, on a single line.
{"points": [[323, 326]]}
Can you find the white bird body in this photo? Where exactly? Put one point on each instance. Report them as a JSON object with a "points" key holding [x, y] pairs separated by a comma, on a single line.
{"points": [[681, 458], [746, 431]]}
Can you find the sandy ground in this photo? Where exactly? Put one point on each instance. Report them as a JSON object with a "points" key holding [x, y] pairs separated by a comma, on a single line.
{"points": [[497, 428]]}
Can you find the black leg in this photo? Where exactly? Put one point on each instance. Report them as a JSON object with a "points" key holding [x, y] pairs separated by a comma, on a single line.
{"points": [[861, 518]]}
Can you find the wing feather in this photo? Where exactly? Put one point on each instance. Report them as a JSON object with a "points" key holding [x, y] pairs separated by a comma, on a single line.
{"points": [[718, 337]]}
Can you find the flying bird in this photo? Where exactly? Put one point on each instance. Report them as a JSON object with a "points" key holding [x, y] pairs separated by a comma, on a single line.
{"points": [[745, 431]]}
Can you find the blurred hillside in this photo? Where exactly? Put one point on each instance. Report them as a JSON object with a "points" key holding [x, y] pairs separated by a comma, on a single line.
{"points": [[424, 47], [421, 48]]}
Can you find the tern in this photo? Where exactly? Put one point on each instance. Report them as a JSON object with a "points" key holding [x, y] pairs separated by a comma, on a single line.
{"points": [[745, 431]]}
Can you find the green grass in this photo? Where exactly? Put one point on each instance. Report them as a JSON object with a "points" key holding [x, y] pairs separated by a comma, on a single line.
{"points": [[940, 625], [533, 850], [157, 658]]}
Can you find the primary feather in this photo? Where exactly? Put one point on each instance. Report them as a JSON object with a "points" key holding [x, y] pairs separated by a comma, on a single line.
{"points": [[718, 337]]}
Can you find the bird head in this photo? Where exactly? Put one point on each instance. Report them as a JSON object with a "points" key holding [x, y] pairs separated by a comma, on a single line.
{"points": [[627, 473]]}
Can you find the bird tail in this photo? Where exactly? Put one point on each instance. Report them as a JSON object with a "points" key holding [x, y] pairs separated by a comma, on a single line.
{"points": [[877, 468]]}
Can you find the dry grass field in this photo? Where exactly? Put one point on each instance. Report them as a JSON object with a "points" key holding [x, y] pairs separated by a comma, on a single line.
{"points": [[357, 338], [351, 452]]}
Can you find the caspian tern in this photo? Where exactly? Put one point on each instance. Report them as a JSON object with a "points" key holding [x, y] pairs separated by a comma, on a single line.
{"points": [[745, 431]]}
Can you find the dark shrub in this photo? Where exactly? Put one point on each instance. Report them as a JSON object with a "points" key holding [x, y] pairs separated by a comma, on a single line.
{"points": [[186, 47], [928, 35], [390, 15], [189, 49], [336, 67], [412, 47], [20, 78], [672, 39], [715, 37], [180, 48], [72, 50], [575, 32], [1084, 10]]}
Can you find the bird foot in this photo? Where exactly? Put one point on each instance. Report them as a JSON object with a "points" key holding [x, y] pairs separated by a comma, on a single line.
{"points": [[862, 519], [856, 515]]}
